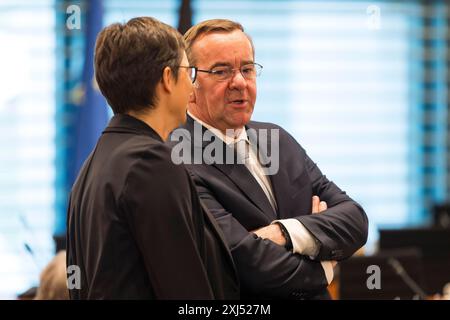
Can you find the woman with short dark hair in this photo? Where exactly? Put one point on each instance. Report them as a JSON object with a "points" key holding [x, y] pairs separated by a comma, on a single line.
{"points": [[136, 227]]}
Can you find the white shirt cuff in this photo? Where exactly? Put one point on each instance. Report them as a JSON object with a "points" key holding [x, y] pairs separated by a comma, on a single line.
{"points": [[303, 242], [328, 268]]}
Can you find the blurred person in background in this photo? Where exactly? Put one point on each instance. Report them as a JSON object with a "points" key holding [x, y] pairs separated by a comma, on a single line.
{"points": [[53, 280]]}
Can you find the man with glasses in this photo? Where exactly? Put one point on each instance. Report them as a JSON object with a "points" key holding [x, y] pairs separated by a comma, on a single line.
{"points": [[280, 249]]}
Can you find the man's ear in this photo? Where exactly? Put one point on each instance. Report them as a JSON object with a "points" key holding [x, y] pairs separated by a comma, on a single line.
{"points": [[167, 80]]}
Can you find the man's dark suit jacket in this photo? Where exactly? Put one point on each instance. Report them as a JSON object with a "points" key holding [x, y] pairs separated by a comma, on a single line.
{"points": [[136, 227], [239, 205]]}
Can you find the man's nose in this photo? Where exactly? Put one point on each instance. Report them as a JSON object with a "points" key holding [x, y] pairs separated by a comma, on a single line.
{"points": [[237, 80]]}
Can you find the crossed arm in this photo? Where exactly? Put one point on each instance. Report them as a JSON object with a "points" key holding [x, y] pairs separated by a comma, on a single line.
{"points": [[265, 268], [273, 231], [309, 245]]}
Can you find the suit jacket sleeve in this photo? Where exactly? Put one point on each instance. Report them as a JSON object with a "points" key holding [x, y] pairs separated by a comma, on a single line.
{"points": [[157, 204], [343, 227], [264, 267]]}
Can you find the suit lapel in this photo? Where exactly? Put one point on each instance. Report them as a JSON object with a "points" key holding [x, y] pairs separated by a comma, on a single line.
{"points": [[281, 195], [245, 181], [238, 174], [279, 180]]}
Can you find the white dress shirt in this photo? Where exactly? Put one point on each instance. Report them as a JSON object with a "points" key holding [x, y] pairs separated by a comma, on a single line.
{"points": [[303, 242]]}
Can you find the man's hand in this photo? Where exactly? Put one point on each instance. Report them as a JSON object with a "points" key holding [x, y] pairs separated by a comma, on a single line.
{"points": [[273, 232], [317, 207]]}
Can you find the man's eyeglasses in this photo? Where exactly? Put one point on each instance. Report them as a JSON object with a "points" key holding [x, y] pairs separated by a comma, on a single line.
{"points": [[223, 73]]}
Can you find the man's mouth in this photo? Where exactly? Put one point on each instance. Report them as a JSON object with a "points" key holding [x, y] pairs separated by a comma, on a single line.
{"points": [[238, 101]]}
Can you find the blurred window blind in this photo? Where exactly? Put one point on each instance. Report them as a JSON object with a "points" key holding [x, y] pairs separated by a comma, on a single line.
{"points": [[122, 11], [433, 93], [27, 131], [345, 78]]}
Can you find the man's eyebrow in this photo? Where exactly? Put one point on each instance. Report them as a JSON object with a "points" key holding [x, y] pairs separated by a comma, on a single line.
{"points": [[247, 62], [220, 64], [226, 64]]}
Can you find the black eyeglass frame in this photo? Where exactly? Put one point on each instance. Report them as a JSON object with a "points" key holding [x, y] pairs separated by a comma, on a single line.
{"points": [[211, 71]]}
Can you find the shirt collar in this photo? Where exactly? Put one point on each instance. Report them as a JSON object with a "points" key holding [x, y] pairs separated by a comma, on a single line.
{"points": [[239, 134]]}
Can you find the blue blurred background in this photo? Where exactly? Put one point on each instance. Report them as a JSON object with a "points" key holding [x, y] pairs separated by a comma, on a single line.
{"points": [[362, 85]]}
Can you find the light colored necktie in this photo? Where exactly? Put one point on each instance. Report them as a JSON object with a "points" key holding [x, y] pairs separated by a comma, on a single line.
{"points": [[242, 151]]}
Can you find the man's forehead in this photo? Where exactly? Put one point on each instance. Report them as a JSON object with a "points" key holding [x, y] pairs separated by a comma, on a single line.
{"points": [[223, 46], [222, 36]]}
